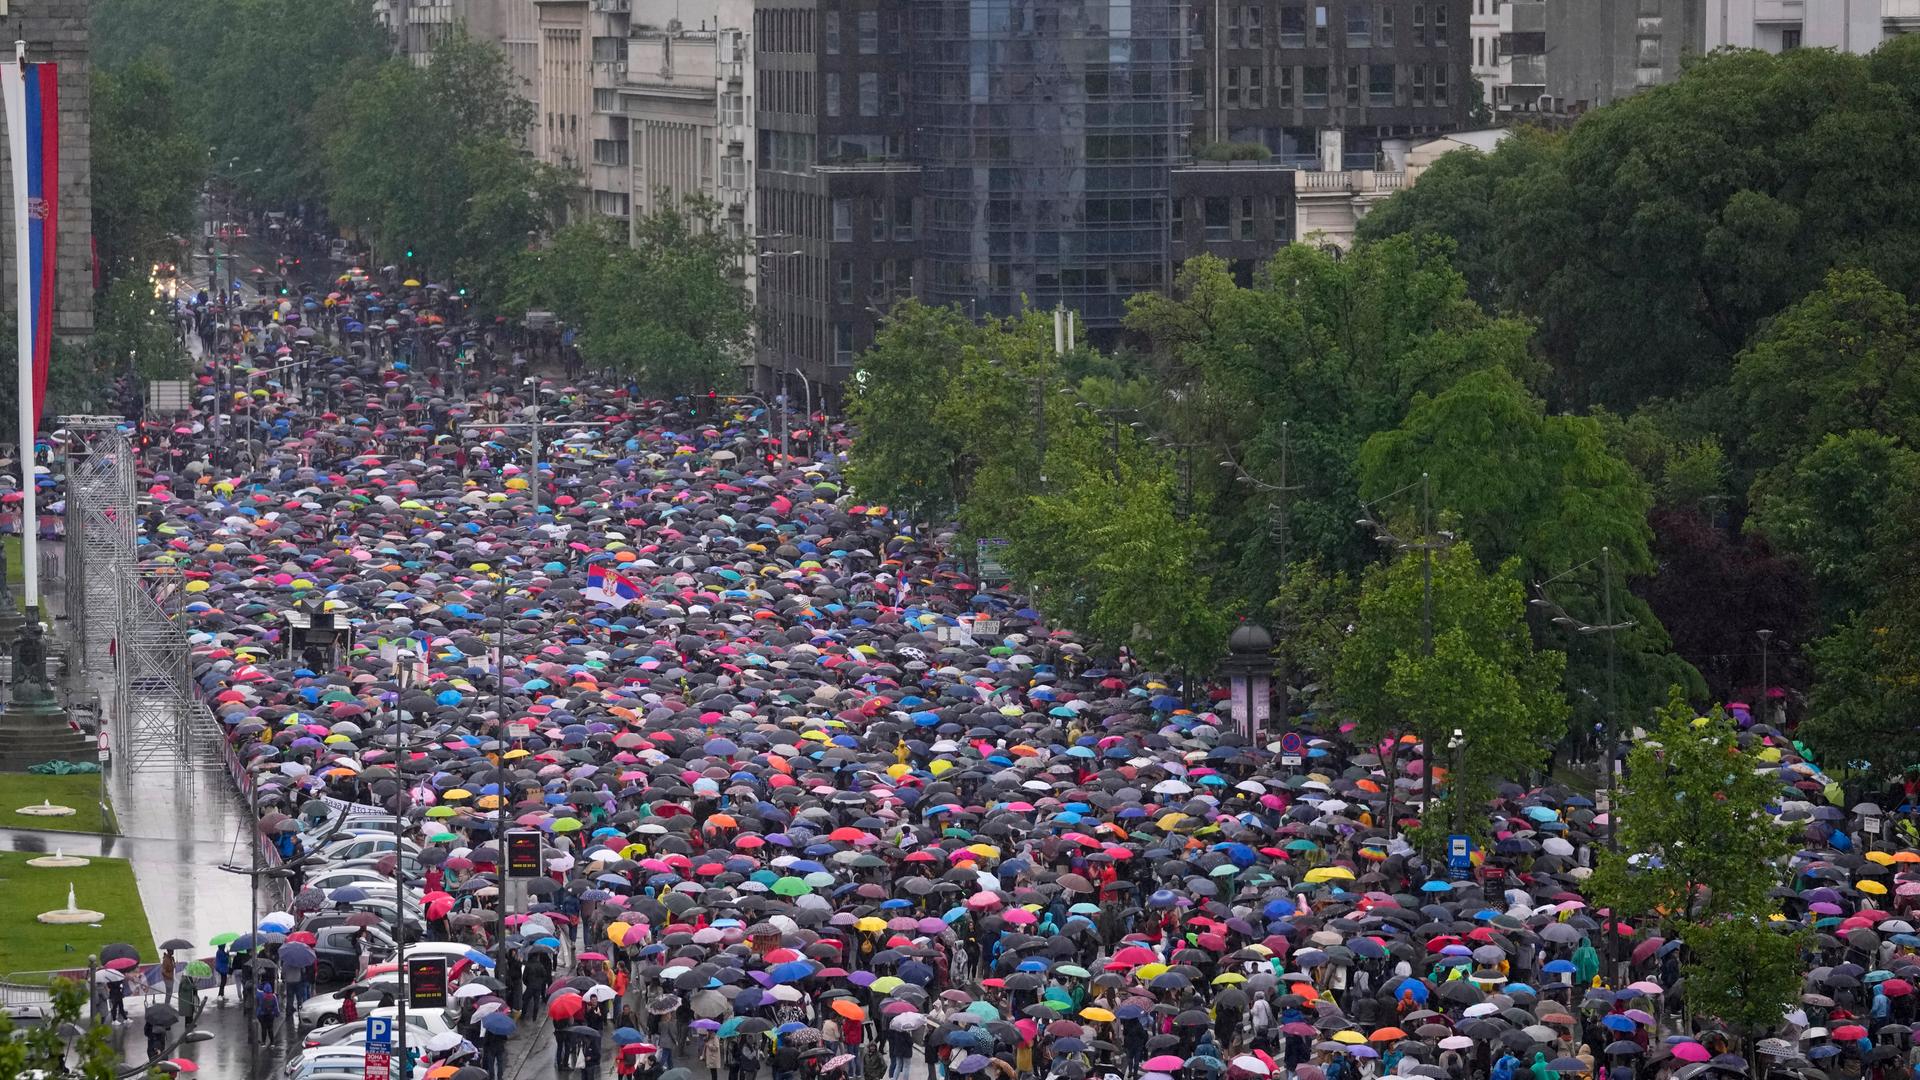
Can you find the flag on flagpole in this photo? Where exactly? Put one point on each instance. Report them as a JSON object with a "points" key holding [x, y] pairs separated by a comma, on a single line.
{"points": [[33, 137], [31, 94], [609, 587]]}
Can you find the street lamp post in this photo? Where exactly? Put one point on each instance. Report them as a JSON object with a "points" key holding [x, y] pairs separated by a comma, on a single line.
{"points": [[1280, 531], [1456, 748], [1766, 687], [403, 679], [1429, 542], [1611, 629], [785, 354], [1249, 668]]}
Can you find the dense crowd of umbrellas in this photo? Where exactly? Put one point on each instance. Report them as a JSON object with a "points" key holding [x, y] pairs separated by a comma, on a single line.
{"points": [[811, 793]]}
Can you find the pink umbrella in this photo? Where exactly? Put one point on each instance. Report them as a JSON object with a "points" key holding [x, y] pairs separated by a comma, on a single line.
{"points": [[1691, 1051]]}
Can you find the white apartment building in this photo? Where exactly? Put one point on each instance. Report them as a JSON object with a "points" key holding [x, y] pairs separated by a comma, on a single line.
{"points": [[1484, 25], [1853, 26]]}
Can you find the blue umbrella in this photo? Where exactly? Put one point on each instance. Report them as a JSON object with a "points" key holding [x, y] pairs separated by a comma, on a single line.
{"points": [[499, 1023], [627, 1036], [295, 955]]}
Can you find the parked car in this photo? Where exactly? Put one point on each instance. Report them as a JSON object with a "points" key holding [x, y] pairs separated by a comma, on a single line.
{"points": [[422, 1024], [337, 955]]}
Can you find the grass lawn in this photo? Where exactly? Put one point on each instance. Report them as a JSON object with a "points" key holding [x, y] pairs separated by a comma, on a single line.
{"points": [[104, 885], [82, 792], [16, 570]]}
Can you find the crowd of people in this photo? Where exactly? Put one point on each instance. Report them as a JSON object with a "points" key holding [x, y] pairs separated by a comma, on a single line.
{"points": [[812, 800]]}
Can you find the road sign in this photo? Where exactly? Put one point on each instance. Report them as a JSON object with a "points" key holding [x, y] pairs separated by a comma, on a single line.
{"points": [[1459, 856], [379, 1047], [1293, 748], [427, 982], [523, 853]]}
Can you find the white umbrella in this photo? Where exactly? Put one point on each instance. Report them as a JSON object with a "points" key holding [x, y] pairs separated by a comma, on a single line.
{"points": [[598, 992], [472, 990], [1249, 1063], [908, 1022], [444, 1041]]}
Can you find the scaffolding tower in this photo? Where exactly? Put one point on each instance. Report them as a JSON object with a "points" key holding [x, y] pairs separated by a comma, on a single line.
{"points": [[100, 537], [125, 615]]}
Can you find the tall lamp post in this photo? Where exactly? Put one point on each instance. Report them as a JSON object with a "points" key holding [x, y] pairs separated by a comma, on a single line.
{"points": [[1429, 542], [1611, 629], [1766, 687], [1280, 531], [1249, 668]]}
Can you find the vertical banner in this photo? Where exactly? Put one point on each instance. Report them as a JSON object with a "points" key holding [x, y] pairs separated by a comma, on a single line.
{"points": [[33, 141]]}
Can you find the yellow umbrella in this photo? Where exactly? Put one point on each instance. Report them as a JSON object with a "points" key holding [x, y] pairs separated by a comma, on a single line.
{"points": [[871, 925], [1228, 978], [1881, 857], [1096, 1014], [1328, 873], [1872, 887], [1149, 972], [1351, 1038]]}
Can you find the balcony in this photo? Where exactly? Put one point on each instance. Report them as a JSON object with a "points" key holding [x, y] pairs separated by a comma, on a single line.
{"points": [[1524, 17], [1529, 71], [1900, 16]]}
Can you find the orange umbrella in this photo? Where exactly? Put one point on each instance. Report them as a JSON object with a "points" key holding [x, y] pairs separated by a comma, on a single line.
{"points": [[1387, 1034], [722, 821], [848, 1009]]}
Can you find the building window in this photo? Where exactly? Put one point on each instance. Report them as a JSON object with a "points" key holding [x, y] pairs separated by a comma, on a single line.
{"points": [[895, 38], [1179, 218], [843, 281], [1359, 26], [897, 95], [1419, 84], [869, 22], [733, 172], [1216, 210], [611, 203], [1480, 52], [832, 94], [1353, 84], [1254, 38], [1256, 89], [1439, 84], [733, 108], [609, 151], [1233, 26], [833, 33], [881, 280], [604, 100], [1419, 24], [869, 93], [1283, 86], [1246, 217], [1380, 84], [1233, 88], [877, 227], [903, 217], [1383, 25], [1439, 24], [1293, 27], [842, 344], [1313, 91], [842, 219], [1789, 38], [1320, 36]]}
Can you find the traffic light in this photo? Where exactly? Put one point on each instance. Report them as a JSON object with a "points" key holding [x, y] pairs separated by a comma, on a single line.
{"points": [[409, 253]]}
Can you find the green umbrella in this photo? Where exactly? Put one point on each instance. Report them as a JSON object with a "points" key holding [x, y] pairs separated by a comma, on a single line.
{"points": [[198, 969], [1074, 970], [791, 886], [223, 939], [567, 824]]}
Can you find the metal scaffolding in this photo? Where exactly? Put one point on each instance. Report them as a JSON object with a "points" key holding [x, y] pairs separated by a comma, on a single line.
{"points": [[100, 537], [124, 615]]}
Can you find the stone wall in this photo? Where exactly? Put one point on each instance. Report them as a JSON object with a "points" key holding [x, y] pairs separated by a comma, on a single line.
{"points": [[57, 30]]}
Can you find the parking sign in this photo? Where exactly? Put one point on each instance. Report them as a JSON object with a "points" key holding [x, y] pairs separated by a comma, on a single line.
{"points": [[379, 1047]]}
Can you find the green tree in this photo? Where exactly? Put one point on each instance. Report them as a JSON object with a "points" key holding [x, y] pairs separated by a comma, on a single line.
{"points": [[1313, 612], [1696, 840], [668, 308], [1316, 356], [460, 195], [1744, 973], [1543, 489], [147, 165], [1825, 509], [1484, 676], [948, 414], [43, 1050], [1845, 357], [1665, 228]]}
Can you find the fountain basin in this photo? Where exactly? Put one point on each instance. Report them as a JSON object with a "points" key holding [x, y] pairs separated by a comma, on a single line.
{"points": [[46, 809]]}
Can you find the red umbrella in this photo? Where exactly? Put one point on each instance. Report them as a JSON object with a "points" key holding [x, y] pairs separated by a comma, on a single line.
{"points": [[1897, 987], [1849, 1032], [566, 1007]]}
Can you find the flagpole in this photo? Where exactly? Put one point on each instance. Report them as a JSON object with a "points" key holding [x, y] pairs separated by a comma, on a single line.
{"points": [[24, 316]]}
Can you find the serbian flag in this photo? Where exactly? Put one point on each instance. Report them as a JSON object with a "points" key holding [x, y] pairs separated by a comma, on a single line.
{"points": [[32, 96], [609, 587]]}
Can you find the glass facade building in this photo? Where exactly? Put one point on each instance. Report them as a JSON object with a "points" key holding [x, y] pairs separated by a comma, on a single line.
{"points": [[1046, 131]]}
